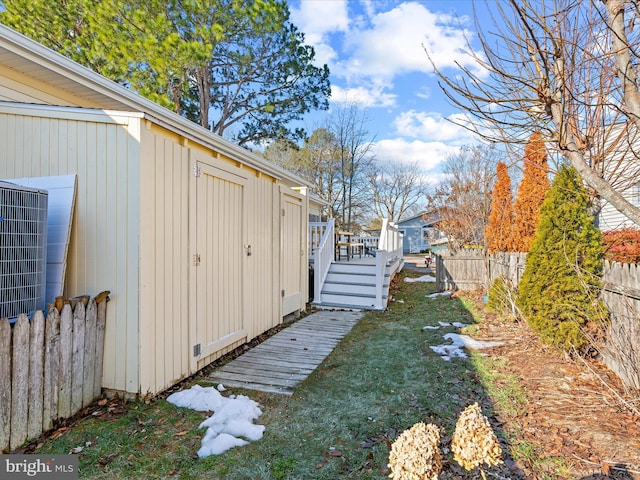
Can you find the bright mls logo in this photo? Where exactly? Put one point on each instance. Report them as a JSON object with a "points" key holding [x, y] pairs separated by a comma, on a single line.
{"points": [[52, 467]]}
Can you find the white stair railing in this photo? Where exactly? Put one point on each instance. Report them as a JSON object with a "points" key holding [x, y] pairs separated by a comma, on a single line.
{"points": [[389, 250], [322, 258], [316, 231]]}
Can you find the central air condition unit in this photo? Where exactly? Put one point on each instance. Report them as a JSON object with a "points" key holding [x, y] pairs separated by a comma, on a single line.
{"points": [[23, 249]]}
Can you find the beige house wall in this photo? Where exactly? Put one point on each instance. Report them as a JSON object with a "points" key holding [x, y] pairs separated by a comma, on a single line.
{"points": [[135, 209], [103, 151], [131, 234]]}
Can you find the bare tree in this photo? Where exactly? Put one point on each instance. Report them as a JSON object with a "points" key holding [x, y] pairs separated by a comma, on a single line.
{"points": [[321, 165], [568, 69], [348, 125], [462, 202], [318, 162], [397, 189]]}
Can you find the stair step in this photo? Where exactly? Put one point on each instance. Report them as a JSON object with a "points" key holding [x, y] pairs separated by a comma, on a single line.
{"points": [[362, 301], [354, 268], [341, 306], [350, 278], [349, 288]]}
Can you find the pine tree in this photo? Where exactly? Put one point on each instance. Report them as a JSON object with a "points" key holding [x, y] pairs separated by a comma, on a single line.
{"points": [[498, 236], [531, 191], [559, 289]]}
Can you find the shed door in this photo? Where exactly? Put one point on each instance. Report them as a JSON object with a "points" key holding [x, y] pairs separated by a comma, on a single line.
{"points": [[292, 251], [222, 249]]}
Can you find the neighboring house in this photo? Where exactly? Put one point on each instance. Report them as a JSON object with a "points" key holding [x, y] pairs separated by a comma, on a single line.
{"points": [[609, 218], [202, 244], [420, 233], [622, 168]]}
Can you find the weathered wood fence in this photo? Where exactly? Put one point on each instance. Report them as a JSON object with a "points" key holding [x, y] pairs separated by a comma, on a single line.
{"points": [[472, 270], [50, 368]]}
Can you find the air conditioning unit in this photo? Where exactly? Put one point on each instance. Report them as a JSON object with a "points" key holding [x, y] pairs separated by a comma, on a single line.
{"points": [[23, 249]]}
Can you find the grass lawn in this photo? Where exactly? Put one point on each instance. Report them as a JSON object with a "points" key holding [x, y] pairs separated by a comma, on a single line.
{"points": [[380, 380]]}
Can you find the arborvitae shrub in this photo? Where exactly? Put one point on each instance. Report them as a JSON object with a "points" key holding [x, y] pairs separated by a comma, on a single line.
{"points": [[622, 245], [559, 290], [531, 193], [498, 236]]}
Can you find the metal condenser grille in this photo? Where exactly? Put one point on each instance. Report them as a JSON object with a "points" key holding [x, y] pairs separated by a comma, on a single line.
{"points": [[23, 240]]}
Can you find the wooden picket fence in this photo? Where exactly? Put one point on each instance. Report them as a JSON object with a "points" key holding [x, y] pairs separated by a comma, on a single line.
{"points": [[50, 368], [472, 270]]}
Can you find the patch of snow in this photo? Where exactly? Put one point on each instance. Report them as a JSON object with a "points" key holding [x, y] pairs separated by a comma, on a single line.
{"points": [[232, 418], [220, 388], [468, 342], [458, 343], [424, 278], [445, 324], [440, 294], [447, 352]]}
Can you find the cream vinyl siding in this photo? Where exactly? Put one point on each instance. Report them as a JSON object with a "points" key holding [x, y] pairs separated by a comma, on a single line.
{"points": [[262, 301], [164, 259], [103, 151], [293, 247], [134, 228]]}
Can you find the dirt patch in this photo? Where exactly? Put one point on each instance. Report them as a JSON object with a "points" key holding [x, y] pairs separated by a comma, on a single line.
{"points": [[577, 410]]}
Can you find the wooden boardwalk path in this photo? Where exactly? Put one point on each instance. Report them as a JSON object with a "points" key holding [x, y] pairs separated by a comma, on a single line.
{"points": [[281, 362]]}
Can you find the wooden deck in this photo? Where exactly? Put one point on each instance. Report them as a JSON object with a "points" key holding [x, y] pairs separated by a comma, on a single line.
{"points": [[283, 361]]}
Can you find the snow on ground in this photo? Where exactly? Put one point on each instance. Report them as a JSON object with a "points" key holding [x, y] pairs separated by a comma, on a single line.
{"points": [[455, 324], [424, 278], [231, 423], [445, 324], [458, 343], [440, 294]]}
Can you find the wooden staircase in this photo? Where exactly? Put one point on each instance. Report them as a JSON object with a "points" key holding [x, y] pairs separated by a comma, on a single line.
{"points": [[351, 285], [357, 283]]}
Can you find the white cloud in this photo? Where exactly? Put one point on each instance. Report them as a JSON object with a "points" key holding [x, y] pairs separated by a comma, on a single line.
{"points": [[318, 19], [429, 155], [392, 43], [364, 97], [432, 126]]}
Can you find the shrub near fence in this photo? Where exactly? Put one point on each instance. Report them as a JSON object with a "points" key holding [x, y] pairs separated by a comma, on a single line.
{"points": [[49, 368], [470, 270]]}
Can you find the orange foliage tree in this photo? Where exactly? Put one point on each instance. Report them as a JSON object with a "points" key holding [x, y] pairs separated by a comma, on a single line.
{"points": [[498, 235], [534, 185]]}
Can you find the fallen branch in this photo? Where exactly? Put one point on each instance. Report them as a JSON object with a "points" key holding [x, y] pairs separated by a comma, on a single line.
{"points": [[621, 399], [612, 464]]}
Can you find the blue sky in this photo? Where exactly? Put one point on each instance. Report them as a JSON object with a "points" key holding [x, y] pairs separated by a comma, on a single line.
{"points": [[374, 50]]}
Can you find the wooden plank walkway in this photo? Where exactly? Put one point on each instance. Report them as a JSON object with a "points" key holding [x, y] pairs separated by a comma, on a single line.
{"points": [[283, 361]]}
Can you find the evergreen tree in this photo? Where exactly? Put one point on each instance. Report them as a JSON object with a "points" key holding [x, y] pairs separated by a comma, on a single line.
{"points": [[498, 236], [558, 292], [238, 68], [531, 191]]}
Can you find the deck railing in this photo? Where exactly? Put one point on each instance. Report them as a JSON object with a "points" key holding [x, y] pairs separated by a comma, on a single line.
{"points": [[322, 258], [390, 238], [316, 231], [369, 242], [389, 251], [387, 247]]}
